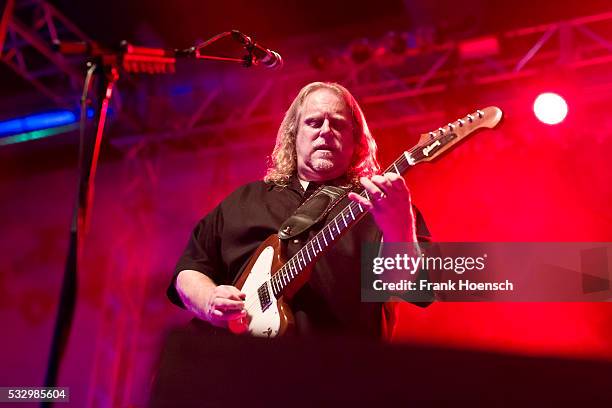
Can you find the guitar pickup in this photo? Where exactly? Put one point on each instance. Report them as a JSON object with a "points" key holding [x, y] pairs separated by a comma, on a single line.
{"points": [[264, 297]]}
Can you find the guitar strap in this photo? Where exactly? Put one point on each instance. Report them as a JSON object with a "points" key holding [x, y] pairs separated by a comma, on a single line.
{"points": [[312, 211]]}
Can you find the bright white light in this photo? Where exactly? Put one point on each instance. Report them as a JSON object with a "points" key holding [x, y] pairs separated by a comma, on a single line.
{"points": [[550, 108]]}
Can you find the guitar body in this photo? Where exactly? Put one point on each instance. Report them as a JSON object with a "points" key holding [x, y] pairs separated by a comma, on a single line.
{"points": [[274, 318]]}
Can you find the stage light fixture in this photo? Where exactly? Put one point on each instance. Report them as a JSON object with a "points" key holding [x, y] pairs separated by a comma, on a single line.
{"points": [[361, 51], [550, 108]]}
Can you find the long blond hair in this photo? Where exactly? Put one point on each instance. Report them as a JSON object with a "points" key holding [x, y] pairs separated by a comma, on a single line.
{"points": [[283, 161]]}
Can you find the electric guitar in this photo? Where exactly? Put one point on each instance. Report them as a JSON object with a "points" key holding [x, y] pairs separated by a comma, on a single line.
{"points": [[270, 279]]}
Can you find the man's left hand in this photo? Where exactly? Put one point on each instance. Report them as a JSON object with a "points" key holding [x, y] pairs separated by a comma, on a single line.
{"points": [[390, 205]]}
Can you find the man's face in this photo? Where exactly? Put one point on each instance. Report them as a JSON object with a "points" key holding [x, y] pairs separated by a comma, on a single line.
{"points": [[324, 143]]}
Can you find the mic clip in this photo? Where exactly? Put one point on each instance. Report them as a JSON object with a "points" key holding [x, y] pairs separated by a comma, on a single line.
{"points": [[249, 46]]}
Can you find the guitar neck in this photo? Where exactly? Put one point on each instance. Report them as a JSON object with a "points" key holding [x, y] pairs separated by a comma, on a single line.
{"points": [[333, 230]]}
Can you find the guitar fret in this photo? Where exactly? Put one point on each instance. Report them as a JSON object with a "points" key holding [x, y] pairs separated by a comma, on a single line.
{"points": [[331, 233], [324, 240], [351, 210], [314, 250], [343, 220], [396, 170], [336, 222], [318, 243], [308, 255]]}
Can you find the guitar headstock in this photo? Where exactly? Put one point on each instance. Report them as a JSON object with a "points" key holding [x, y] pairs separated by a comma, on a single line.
{"points": [[437, 141]]}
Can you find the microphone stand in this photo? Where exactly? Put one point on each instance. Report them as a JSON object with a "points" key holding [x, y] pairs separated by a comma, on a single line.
{"points": [[104, 66], [107, 75]]}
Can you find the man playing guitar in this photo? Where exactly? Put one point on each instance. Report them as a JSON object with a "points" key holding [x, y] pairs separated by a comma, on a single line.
{"points": [[323, 139]]}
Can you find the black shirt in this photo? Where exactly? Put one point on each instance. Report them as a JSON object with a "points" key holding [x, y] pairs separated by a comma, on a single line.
{"points": [[223, 241]]}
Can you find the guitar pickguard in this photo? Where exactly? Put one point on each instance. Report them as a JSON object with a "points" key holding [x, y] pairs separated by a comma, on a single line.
{"points": [[263, 323]]}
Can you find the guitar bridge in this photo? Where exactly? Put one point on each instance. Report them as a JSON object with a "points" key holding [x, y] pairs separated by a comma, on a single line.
{"points": [[264, 297]]}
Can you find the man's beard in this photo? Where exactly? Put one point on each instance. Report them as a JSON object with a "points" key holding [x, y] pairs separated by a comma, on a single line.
{"points": [[323, 160], [322, 164]]}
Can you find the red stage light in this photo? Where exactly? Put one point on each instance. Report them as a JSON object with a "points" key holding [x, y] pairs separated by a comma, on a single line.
{"points": [[550, 108]]}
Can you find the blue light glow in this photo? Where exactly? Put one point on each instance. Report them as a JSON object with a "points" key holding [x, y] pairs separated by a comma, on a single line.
{"points": [[179, 90], [37, 122]]}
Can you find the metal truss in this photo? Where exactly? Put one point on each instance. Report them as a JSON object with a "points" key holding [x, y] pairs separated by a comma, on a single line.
{"points": [[27, 31], [413, 84], [395, 89]]}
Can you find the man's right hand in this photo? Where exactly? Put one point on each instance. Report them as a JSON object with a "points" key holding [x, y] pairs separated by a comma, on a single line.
{"points": [[218, 305], [225, 303]]}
